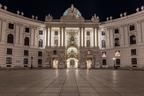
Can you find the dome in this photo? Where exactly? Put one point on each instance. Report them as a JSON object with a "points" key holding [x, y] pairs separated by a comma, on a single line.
{"points": [[72, 11]]}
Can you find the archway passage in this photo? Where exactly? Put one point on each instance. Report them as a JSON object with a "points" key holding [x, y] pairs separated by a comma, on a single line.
{"points": [[89, 63], [72, 57], [55, 63]]}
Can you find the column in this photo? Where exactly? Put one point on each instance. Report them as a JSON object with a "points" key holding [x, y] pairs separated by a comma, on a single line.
{"points": [[60, 36], [80, 37], [97, 37], [111, 38], [4, 26], [126, 35], [93, 37], [108, 38], [46, 36], [142, 27], [121, 31], [50, 37], [84, 37], [0, 30], [139, 32], [32, 37], [63, 36], [21, 34], [17, 34]]}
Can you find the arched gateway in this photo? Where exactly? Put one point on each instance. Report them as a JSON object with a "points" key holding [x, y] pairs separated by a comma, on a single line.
{"points": [[72, 41]]}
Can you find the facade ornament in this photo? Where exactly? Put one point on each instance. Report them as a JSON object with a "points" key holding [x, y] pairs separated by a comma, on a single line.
{"points": [[22, 13], [142, 8], [18, 12], [0, 6], [5, 7], [137, 10], [48, 18], [95, 18]]}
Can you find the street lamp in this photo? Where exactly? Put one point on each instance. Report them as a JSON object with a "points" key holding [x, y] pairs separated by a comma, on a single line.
{"points": [[114, 59], [31, 62]]}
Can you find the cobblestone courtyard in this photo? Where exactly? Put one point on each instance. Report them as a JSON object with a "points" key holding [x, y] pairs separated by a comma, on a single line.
{"points": [[71, 83]]}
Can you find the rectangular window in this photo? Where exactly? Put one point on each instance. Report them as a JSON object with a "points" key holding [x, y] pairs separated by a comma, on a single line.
{"points": [[88, 33], [40, 61], [8, 60], [40, 32], [116, 31], [9, 51], [133, 52], [117, 61], [103, 33], [39, 53], [132, 27], [11, 26], [104, 62], [25, 61], [26, 53], [134, 61], [27, 30], [56, 32]]}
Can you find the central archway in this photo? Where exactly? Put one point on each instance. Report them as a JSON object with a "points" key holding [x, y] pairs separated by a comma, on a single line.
{"points": [[72, 57]]}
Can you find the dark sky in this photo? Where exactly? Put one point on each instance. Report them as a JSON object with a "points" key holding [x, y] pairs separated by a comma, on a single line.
{"points": [[103, 8]]}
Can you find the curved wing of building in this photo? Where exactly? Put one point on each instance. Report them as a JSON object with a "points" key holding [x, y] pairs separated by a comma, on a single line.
{"points": [[71, 41]]}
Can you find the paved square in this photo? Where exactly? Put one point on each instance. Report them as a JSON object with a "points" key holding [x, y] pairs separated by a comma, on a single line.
{"points": [[71, 82]]}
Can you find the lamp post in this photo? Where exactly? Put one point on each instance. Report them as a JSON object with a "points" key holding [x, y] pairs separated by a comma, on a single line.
{"points": [[114, 59], [31, 62]]}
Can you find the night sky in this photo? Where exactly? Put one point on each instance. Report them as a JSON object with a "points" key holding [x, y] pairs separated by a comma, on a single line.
{"points": [[103, 8]]}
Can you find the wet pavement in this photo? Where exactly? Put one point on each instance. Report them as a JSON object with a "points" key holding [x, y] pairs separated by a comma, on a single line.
{"points": [[71, 82]]}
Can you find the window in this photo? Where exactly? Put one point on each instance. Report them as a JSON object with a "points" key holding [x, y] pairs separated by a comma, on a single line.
{"points": [[133, 52], [11, 26], [40, 43], [8, 65], [40, 32], [117, 42], [8, 60], [116, 31], [26, 41], [39, 53], [27, 30], [25, 61], [88, 43], [39, 62], [132, 39], [10, 38], [104, 62], [118, 62], [26, 53], [9, 51], [55, 52], [134, 61], [56, 42], [56, 32], [132, 27], [103, 44], [103, 33], [88, 33]]}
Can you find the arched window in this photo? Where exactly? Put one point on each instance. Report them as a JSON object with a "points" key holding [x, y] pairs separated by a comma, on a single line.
{"points": [[40, 43], [103, 44], [133, 39], [26, 41], [55, 52], [117, 42], [10, 38]]}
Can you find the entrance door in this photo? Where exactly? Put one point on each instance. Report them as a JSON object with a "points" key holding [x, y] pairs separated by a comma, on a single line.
{"points": [[55, 64], [89, 63]]}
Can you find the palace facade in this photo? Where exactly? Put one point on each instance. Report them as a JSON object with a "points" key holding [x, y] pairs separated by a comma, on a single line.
{"points": [[71, 41]]}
